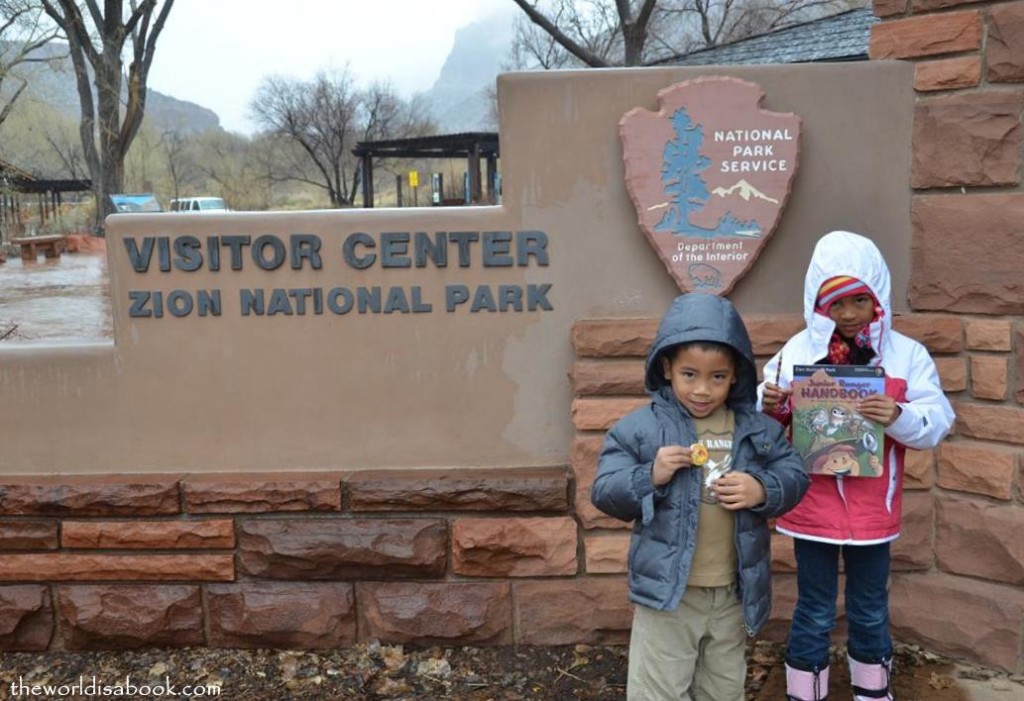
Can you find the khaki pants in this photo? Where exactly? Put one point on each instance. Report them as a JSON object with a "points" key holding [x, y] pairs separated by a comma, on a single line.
{"points": [[695, 653]]}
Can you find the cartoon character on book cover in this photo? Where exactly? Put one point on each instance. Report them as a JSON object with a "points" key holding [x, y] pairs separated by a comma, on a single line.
{"points": [[827, 430]]}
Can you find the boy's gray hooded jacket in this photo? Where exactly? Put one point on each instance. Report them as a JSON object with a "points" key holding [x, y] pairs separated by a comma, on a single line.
{"points": [[665, 518]]}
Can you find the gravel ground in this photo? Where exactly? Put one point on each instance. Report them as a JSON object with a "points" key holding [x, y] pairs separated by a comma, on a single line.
{"points": [[374, 671]]}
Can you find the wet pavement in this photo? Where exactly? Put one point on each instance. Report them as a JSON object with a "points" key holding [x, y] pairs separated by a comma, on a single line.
{"points": [[64, 299]]}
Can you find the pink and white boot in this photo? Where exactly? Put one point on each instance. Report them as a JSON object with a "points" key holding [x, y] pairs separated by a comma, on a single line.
{"points": [[871, 682], [803, 685]]}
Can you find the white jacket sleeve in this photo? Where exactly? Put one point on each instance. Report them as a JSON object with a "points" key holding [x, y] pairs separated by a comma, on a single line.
{"points": [[927, 415]]}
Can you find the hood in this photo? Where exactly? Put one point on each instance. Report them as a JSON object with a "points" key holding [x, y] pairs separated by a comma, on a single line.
{"points": [[846, 253], [704, 317]]}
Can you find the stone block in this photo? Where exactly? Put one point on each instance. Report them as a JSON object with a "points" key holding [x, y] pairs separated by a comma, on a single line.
{"points": [[607, 554], [26, 618], [980, 539], [1018, 362], [292, 615], [967, 139], [947, 73], [939, 333], [72, 567], [768, 332], [28, 535], [148, 535], [128, 616], [583, 458], [989, 377], [913, 550], [783, 557], [514, 547], [978, 468], [603, 338], [923, 6], [317, 549], [958, 616], [1004, 47], [951, 229], [992, 423], [919, 469], [436, 613], [776, 629], [929, 35], [259, 493], [952, 373], [494, 490], [601, 414], [607, 377], [988, 335], [592, 610], [890, 8], [77, 496]]}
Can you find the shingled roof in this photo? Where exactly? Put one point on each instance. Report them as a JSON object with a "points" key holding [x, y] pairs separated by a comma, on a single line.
{"points": [[841, 37]]}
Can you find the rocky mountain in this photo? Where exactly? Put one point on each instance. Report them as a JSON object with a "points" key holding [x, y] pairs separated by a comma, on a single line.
{"points": [[461, 97], [52, 82]]}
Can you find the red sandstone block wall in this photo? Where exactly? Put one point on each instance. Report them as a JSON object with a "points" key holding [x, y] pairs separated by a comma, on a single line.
{"points": [[299, 560], [967, 259], [486, 556]]}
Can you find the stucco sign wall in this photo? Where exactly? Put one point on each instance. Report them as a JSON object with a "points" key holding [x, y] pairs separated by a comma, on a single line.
{"points": [[440, 337]]}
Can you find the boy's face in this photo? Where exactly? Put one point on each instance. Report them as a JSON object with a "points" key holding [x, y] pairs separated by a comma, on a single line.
{"points": [[701, 379], [852, 313]]}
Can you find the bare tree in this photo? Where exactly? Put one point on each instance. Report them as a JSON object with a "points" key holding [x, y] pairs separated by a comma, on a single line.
{"points": [[22, 34], [319, 118], [99, 39], [237, 167], [574, 24], [60, 138], [180, 165], [316, 125], [600, 33]]}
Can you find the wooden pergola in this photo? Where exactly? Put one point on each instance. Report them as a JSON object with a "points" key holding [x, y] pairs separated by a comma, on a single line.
{"points": [[15, 183], [473, 146]]}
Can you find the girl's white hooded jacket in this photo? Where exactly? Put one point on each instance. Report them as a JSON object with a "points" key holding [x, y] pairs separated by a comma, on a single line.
{"points": [[863, 510]]}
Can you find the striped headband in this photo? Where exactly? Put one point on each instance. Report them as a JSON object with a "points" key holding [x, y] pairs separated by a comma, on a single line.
{"points": [[838, 287]]}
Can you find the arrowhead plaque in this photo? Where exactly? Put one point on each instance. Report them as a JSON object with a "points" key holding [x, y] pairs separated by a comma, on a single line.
{"points": [[709, 174]]}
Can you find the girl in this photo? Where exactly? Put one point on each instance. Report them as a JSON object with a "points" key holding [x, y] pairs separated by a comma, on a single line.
{"points": [[849, 322]]}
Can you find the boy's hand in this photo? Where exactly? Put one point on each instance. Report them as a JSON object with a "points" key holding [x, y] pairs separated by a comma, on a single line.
{"points": [[879, 408], [772, 396], [738, 490], [669, 459]]}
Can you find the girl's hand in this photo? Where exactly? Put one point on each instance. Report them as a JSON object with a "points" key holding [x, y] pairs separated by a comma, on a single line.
{"points": [[880, 409], [738, 490], [772, 396], [669, 459]]}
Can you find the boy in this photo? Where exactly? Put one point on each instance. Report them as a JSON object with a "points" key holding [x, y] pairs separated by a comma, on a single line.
{"points": [[699, 560]]}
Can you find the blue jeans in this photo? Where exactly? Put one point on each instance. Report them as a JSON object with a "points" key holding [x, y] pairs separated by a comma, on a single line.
{"points": [[867, 603]]}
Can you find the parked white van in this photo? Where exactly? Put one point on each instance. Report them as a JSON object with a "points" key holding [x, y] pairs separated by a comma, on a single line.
{"points": [[198, 204]]}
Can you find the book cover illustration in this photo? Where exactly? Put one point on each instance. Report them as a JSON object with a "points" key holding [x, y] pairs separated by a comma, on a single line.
{"points": [[827, 430]]}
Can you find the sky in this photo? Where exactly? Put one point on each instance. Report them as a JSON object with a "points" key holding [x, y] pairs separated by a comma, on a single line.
{"points": [[216, 52]]}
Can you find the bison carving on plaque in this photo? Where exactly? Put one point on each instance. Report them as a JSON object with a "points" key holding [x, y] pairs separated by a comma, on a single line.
{"points": [[709, 174]]}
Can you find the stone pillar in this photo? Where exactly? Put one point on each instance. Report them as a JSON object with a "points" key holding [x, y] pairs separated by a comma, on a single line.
{"points": [[967, 258]]}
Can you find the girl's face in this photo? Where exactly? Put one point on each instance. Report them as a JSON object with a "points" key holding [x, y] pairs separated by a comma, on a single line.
{"points": [[852, 313], [700, 378]]}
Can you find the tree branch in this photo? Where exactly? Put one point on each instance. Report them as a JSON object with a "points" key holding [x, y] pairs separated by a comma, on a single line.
{"points": [[566, 42]]}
